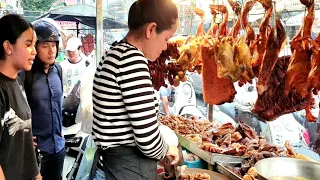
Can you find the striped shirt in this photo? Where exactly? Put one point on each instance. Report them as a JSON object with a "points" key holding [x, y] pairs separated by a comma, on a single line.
{"points": [[124, 106]]}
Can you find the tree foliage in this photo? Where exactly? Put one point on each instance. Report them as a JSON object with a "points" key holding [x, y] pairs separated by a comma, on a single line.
{"points": [[37, 5], [35, 8]]}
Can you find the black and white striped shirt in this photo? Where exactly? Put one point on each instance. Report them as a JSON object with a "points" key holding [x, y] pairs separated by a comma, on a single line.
{"points": [[124, 106]]}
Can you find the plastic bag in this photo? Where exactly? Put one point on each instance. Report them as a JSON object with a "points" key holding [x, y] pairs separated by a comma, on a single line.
{"points": [[168, 135], [85, 109], [87, 160]]}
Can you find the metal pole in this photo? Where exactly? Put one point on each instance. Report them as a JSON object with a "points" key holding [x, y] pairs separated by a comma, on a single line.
{"points": [[99, 31], [210, 106], [275, 19], [210, 112], [78, 32]]}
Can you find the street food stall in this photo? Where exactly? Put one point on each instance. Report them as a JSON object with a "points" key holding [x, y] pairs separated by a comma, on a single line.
{"points": [[286, 84], [229, 51]]}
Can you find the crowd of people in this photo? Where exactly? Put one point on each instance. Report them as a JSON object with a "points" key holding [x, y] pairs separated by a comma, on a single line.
{"points": [[32, 87]]}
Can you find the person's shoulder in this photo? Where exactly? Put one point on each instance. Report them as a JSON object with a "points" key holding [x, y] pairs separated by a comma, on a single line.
{"points": [[4, 81], [5, 87], [125, 48], [124, 53], [64, 63]]}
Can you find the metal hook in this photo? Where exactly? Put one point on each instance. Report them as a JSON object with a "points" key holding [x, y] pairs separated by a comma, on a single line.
{"points": [[274, 18], [285, 12], [304, 16], [218, 20]]}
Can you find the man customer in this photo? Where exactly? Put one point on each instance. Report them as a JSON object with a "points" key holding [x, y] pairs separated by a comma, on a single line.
{"points": [[73, 67]]}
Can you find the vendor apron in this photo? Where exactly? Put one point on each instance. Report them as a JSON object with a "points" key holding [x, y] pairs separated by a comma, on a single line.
{"points": [[126, 163]]}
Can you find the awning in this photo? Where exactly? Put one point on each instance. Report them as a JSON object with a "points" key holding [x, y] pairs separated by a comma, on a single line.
{"points": [[298, 19], [84, 14]]}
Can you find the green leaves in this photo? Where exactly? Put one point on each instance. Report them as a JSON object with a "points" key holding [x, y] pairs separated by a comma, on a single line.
{"points": [[37, 5], [35, 8]]}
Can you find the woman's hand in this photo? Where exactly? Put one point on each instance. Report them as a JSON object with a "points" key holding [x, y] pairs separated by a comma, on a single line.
{"points": [[173, 154], [38, 177], [34, 143]]}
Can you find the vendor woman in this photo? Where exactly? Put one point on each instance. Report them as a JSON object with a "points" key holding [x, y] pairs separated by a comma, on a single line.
{"points": [[125, 126]]}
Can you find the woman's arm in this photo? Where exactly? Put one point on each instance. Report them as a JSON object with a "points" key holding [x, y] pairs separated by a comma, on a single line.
{"points": [[2, 112], [138, 97], [1, 174]]}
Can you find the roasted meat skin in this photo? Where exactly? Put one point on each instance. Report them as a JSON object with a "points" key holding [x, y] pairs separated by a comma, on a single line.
{"points": [[273, 102], [271, 58], [212, 31], [266, 4], [228, 66], [200, 29], [215, 90], [314, 74], [250, 36], [300, 62], [159, 70], [259, 45], [224, 129], [235, 29], [247, 131], [223, 30], [236, 7], [242, 55]]}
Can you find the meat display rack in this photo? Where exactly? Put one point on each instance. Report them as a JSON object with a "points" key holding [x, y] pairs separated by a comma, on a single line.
{"points": [[227, 172], [210, 158]]}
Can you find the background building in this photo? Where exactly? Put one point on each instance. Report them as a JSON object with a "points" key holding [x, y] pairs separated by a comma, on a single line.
{"points": [[14, 6]]}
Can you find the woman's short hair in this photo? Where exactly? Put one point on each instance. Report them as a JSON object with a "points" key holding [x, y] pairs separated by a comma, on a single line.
{"points": [[11, 28], [163, 12]]}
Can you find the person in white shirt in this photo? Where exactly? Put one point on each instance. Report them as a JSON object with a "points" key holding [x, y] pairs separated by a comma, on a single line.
{"points": [[74, 66]]}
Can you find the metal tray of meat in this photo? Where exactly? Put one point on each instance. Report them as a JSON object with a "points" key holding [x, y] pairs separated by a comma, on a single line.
{"points": [[227, 172], [209, 157]]}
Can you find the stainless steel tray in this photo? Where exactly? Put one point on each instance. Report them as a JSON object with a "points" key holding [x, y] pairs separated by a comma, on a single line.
{"points": [[209, 157], [225, 171]]}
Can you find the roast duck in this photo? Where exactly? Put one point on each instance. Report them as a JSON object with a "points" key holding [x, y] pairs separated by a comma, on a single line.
{"points": [[285, 84]]}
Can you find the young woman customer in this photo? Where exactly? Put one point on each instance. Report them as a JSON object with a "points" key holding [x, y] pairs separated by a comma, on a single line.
{"points": [[17, 52]]}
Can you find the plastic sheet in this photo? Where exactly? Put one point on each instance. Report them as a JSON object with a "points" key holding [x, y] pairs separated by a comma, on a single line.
{"points": [[85, 109]]}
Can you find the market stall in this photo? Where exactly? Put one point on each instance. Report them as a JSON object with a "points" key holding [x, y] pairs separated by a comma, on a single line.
{"points": [[285, 84], [223, 57]]}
